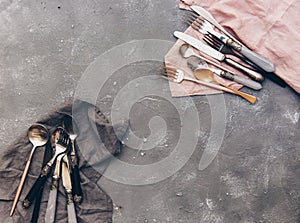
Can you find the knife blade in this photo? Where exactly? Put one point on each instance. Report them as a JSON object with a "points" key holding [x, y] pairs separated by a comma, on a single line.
{"points": [[254, 57], [66, 179], [217, 55]]}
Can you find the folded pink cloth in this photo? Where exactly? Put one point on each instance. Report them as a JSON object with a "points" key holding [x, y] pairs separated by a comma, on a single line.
{"points": [[268, 27]]}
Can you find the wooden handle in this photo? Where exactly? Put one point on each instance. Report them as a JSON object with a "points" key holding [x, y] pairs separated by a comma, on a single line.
{"points": [[248, 97]]}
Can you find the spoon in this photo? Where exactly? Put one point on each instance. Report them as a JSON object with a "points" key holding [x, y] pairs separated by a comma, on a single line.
{"points": [[207, 75], [72, 129], [187, 51], [60, 144], [38, 136], [203, 72]]}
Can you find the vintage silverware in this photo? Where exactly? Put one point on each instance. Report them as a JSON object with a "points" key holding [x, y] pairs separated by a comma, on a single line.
{"points": [[217, 55], [216, 43], [61, 146], [38, 136], [71, 127], [204, 27], [186, 51], [66, 180], [207, 75], [36, 210], [51, 204], [254, 57], [177, 76]]}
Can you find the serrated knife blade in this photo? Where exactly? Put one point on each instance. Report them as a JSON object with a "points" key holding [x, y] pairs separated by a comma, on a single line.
{"points": [[199, 45]]}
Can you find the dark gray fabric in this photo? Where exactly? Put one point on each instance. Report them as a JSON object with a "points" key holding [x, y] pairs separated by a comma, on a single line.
{"points": [[97, 141]]}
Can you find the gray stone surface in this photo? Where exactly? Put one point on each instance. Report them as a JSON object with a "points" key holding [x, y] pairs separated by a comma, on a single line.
{"points": [[46, 47]]}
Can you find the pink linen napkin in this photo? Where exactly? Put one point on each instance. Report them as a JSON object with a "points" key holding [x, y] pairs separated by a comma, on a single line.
{"points": [[268, 27]]}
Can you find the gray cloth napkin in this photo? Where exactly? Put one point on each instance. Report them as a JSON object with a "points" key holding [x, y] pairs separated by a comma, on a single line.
{"points": [[97, 142]]}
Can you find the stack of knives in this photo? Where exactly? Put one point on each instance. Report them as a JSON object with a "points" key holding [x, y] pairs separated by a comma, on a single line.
{"points": [[256, 68]]}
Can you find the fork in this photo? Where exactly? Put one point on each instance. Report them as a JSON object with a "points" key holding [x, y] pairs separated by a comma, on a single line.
{"points": [[204, 27], [217, 44], [231, 41], [62, 142], [177, 76], [72, 128]]}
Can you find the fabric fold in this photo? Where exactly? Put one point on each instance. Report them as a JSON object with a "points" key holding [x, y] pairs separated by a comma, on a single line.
{"points": [[95, 146], [268, 27]]}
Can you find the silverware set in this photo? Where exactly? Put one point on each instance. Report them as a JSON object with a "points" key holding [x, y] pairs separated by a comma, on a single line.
{"points": [[217, 44], [60, 159]]}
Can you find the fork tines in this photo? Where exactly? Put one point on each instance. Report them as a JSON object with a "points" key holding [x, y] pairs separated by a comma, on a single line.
{"points": [[63, 138], [169, 73], [212, 41], [194, 20]]}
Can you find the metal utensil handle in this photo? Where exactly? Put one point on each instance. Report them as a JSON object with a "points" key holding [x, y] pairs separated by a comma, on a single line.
{"points": [[76, 187], [34, 191], [37, 204], [241, 80], [251, 73], [71, 213], [248, 97], [51, 206], [258, 60]]}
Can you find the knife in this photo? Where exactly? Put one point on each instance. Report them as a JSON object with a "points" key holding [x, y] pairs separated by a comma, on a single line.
{"points": [[66, 180], [51, 205], [255, 58], [216, 54]]}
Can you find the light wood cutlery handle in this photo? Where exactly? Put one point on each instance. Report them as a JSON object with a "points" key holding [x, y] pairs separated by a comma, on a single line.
{"points": [[20, 186], [248, 97]]}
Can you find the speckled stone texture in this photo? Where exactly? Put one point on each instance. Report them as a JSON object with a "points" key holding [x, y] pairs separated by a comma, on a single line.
{"points": [[46, 47]]}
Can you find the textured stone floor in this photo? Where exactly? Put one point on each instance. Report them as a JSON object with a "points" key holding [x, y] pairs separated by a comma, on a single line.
{"points": [[46, 47]]}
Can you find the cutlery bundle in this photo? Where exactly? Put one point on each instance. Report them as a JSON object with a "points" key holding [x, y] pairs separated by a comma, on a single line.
{"points": [[60, 159], [217, 44]]}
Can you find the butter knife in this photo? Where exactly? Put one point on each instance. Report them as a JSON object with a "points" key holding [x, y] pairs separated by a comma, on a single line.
{"points": [[254, 57], [66, 180], [51, 205], [217, 55]]}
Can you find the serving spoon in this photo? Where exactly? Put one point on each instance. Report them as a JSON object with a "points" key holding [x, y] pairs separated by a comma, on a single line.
{"points": [[38, 136]]}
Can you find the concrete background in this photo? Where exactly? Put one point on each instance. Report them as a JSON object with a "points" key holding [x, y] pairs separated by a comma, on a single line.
{"points": [[46, 47]]}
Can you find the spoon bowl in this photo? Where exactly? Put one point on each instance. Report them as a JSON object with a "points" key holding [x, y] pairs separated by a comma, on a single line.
{"points": [[38, 136], [208, 76]]}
